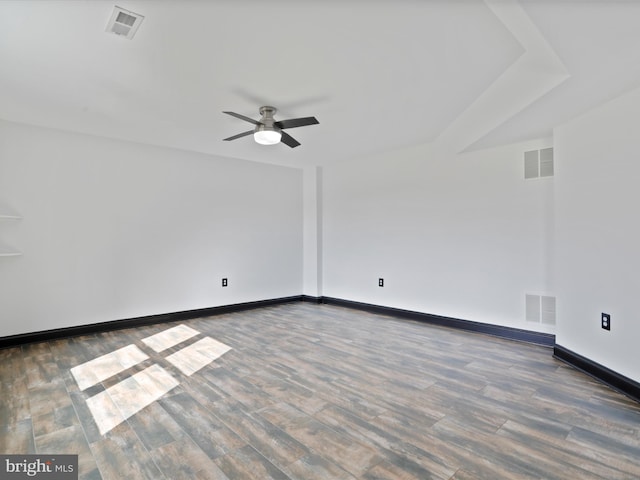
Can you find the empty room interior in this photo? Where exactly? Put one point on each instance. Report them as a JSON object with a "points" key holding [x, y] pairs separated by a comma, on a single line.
{"points": [[320, 240]]}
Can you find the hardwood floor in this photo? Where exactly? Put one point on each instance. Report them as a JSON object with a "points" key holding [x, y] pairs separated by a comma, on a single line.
{"points": [[313, 392]]}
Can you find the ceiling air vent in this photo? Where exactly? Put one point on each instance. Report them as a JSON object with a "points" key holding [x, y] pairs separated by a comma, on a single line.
{"points": [[124, 23], [538, 163]]}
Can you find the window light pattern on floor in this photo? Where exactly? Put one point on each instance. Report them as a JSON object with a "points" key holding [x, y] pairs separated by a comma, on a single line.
{"points": [[99, 369], [119, 402], [168, 338]]}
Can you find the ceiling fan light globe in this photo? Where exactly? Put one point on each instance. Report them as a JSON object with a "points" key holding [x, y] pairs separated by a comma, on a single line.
{"points": [[267, 137]]}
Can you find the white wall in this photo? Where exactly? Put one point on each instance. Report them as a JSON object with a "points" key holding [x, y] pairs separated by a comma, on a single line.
{"points": [[312, 234], [598, 234], [115, 230], [463, 235]]}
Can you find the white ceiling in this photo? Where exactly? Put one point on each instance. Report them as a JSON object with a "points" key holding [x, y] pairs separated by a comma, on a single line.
{"points": [[378, 75]]}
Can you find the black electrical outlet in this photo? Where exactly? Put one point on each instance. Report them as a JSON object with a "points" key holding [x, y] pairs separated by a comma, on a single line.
{"points": [[381, 282], [606, 321], [224, 282]]}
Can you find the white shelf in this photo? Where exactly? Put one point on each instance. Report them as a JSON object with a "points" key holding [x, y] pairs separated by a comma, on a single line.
{"points": [[10, 217], [10, 254]]}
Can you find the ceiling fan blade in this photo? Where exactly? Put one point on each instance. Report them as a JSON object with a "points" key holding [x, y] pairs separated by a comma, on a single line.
{"points": [[242, 117], [296, 122], [289, 140], [240, 135]]}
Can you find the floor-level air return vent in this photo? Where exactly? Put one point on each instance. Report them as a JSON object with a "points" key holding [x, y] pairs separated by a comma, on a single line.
{"points": [[124, 23], [540, 309], [538, 163]]}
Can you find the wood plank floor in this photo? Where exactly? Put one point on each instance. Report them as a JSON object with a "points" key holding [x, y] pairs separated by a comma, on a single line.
{"points": [[321, 392]]}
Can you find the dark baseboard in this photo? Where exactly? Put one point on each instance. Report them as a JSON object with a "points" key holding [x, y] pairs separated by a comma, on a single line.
{"points": [[615, 380], [311, 299], [495, 330], [41, 336], [528, 336], [601, 373]]}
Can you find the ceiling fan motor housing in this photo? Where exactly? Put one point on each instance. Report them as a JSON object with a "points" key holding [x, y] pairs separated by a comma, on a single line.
{"points": [[267, 120]]}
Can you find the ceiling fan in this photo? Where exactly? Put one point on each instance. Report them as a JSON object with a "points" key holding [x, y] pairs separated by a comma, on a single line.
{"points": [[268, 131]]}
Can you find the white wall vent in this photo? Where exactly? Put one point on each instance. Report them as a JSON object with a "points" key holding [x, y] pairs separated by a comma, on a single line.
{"points": [[540, 309], [548, 310], [546, 162], [538, 163], [124, 23]]}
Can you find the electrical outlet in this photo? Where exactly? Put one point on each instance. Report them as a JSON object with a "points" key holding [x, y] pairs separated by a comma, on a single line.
{"points": [[225, 282], [381, 282], [606, 321]]}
